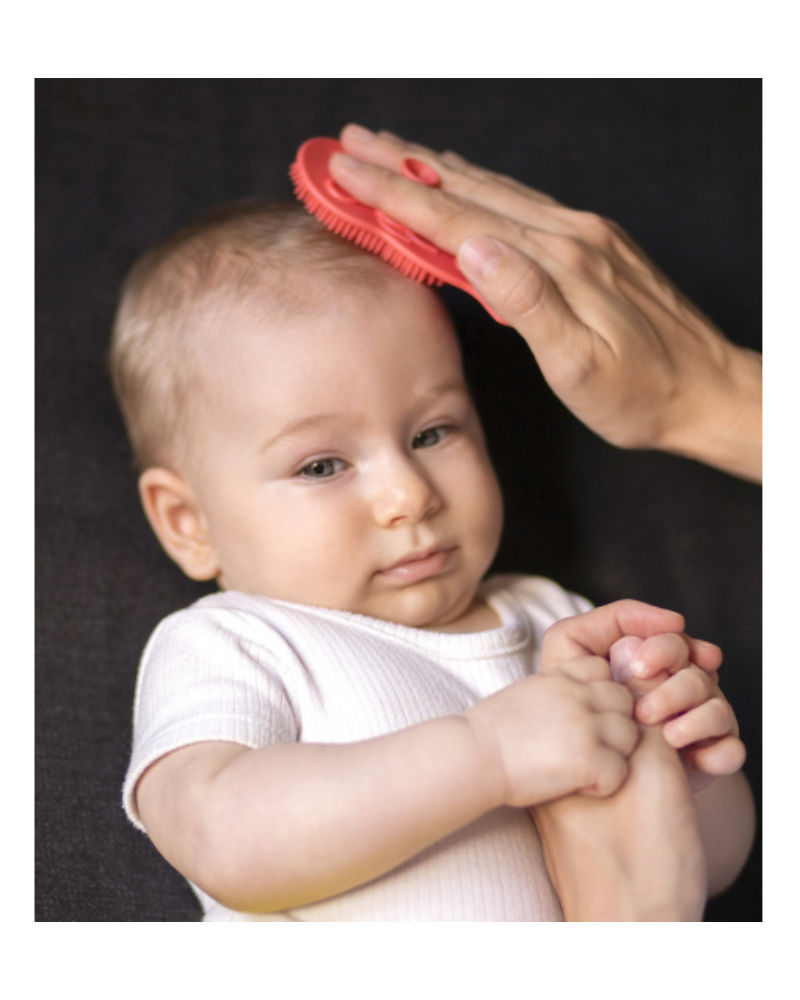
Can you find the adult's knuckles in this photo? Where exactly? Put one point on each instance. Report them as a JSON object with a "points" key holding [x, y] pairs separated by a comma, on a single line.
{"points": [[596, 229], [577, 257], [572, 254]]}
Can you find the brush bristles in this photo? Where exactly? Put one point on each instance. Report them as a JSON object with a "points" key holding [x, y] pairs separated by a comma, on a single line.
{"points": [[356, 234]]}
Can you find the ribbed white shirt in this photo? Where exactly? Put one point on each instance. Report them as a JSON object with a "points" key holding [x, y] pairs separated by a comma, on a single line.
{"points": [[250, 670]]}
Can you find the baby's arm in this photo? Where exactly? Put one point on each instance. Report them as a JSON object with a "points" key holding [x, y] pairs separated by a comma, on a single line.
{"points": [[278, 827]]}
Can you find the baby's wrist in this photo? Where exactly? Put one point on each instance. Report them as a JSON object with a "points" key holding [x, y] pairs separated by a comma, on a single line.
{"points": [[489, 765]]}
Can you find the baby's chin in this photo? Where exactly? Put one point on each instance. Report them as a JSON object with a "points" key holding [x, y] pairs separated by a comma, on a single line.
{"points": [[423, 606], [414, 608]]}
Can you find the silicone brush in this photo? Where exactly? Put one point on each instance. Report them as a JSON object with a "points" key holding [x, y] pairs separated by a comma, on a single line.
{"points": [[370, 228]]}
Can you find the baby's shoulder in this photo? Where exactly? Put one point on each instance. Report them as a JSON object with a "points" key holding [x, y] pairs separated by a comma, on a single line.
{"points": [[225, 622]]}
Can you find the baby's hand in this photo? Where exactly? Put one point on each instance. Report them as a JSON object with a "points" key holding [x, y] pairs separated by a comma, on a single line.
{"points": [[568, 730], [674, 682]]}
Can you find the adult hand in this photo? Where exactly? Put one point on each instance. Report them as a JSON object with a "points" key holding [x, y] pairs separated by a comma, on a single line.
{"points": [[616, 341], [636, 856], [695, 716]]}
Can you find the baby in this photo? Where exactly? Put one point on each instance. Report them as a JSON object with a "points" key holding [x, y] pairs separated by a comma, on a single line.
{"points": [[351, 729]]}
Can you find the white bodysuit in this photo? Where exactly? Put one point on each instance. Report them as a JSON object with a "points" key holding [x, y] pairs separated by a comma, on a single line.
{"points": [[254, 671]]}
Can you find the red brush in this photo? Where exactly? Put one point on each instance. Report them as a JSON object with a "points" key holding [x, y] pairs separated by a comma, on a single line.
{"points": [[370, 228]]}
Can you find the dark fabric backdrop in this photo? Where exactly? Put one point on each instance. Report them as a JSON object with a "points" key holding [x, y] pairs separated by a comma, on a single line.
{"points": [[120, 163]]}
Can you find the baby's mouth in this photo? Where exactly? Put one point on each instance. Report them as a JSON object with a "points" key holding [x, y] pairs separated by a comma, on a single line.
{"points": [[419, 565]]}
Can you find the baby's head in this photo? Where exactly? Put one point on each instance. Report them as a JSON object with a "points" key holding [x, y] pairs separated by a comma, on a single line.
{"points": [[300, 418]]}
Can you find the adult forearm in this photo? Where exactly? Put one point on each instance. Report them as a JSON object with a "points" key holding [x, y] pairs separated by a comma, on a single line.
{"points": [[726, 817], [636, 856], [297, 823], [721, 421]]}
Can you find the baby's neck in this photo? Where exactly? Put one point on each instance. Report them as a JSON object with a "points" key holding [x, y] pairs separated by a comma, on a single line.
{"points": [[478, 618]]}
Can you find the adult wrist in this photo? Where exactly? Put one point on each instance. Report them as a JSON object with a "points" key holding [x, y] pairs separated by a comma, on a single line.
{"points": [[608, 893], [720, 418]]}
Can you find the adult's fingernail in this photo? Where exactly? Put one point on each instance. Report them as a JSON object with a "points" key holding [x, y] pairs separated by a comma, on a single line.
{"points": [[345, 162], [358, 133], [479, 256]]}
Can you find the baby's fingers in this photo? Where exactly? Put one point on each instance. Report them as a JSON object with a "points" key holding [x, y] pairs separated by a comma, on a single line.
{"points": [[611, 770], [618, 732], [712, 719]]}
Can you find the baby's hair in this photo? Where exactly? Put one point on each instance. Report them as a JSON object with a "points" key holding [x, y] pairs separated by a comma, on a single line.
{"points": [[190, 278]]}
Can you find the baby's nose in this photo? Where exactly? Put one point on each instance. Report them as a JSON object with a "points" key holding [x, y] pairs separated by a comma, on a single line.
{"points": [[404, 493]]}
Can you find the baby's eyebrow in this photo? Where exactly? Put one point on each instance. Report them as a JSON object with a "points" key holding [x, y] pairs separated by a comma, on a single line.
{"points": [[315, 420], [310, 422], [443, 388]]}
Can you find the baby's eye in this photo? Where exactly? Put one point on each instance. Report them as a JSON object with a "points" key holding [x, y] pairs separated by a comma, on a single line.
{"points": [[430, 437], [322, 468]]}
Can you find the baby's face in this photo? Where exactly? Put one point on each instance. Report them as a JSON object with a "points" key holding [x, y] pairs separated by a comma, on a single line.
{"points": [[342, 464]]}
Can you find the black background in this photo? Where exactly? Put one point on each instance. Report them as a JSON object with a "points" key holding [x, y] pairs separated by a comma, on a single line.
{"points": [[121, 163]]}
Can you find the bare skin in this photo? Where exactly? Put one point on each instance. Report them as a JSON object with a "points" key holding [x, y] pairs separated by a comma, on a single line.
{"points": [[591, 853]]}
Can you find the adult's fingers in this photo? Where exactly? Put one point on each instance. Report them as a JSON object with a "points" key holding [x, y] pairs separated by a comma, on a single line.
{"points": [[713, 718], [717, 757], [681, 693], [438, 214], [706, 655], [493, 191]]}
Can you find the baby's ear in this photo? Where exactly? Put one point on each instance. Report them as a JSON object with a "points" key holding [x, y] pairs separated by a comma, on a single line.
{"points": [[178, 522]]}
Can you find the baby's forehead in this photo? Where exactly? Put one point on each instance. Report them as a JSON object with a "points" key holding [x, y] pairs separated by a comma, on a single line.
{"points": [[306, 323], [267, 305]]}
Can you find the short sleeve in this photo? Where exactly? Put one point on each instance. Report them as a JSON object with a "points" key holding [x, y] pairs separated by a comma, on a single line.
{"points": [[207, 674]]}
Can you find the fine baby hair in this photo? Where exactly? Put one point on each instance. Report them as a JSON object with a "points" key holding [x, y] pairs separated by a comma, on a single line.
{"points": [[186, 282]]}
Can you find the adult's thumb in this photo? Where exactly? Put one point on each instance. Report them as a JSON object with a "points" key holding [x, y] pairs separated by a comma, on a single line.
{"points": [[516, 288]]}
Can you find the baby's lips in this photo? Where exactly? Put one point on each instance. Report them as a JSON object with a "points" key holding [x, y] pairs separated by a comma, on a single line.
{"points": [[621, 656]]}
